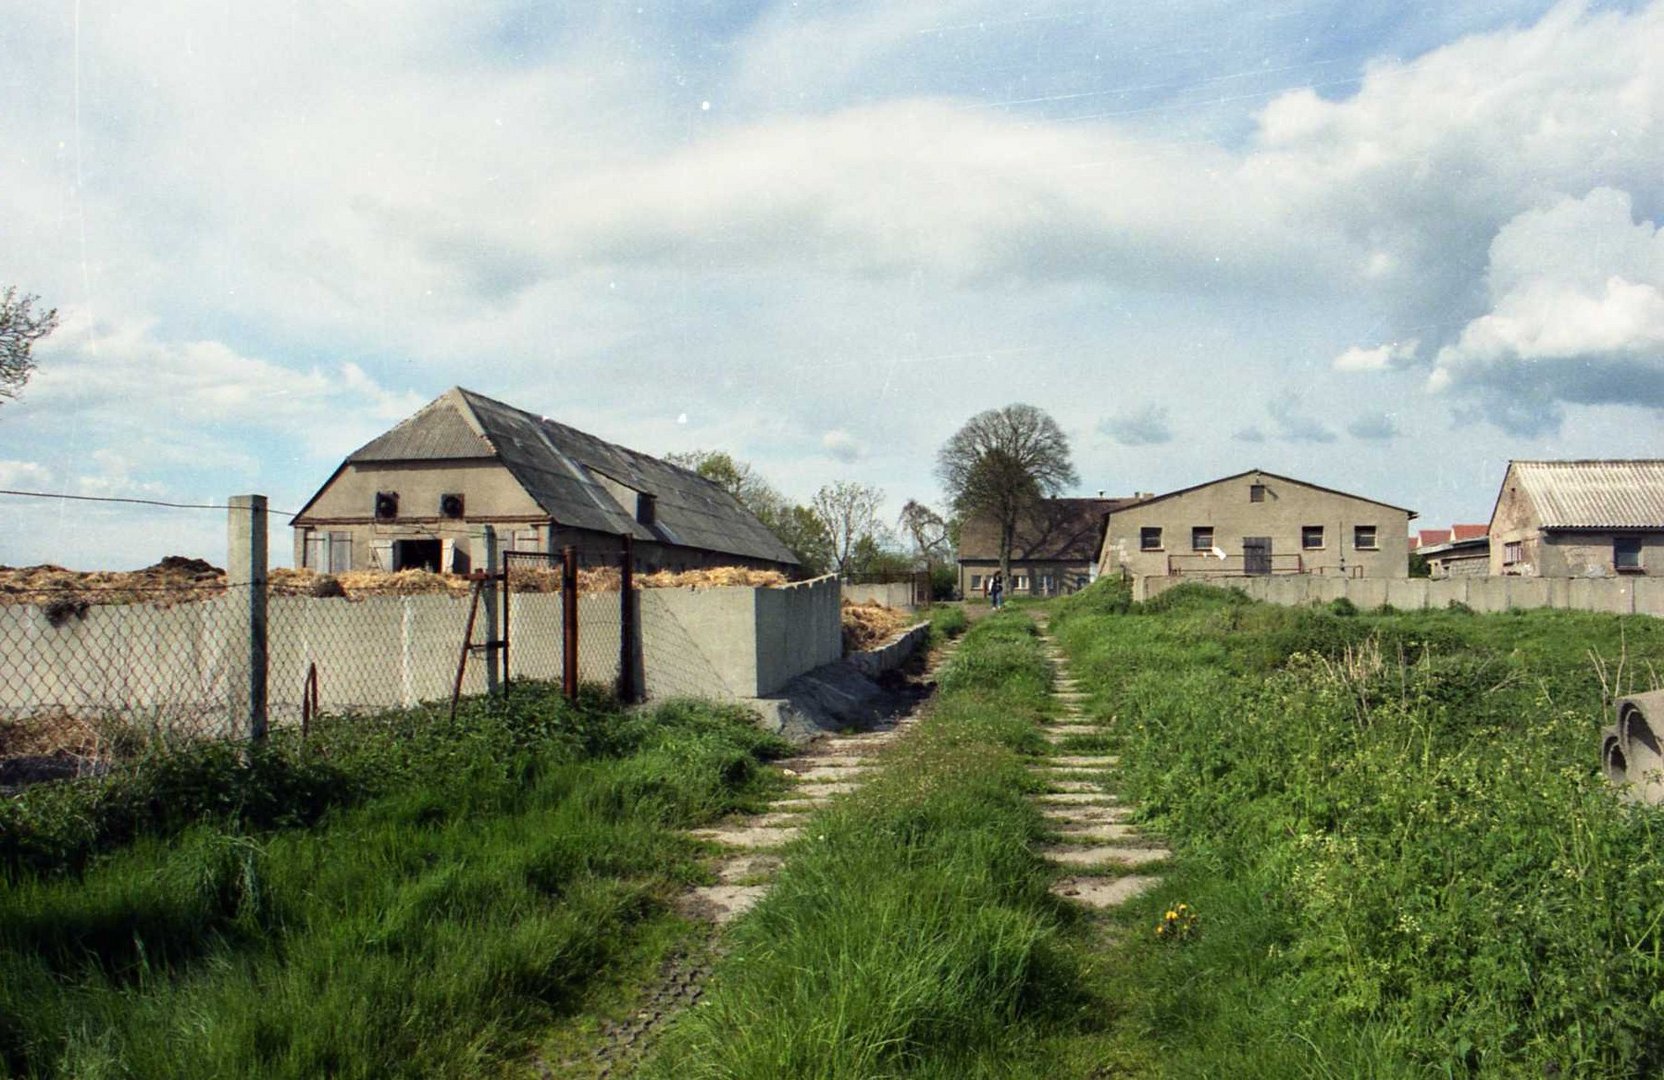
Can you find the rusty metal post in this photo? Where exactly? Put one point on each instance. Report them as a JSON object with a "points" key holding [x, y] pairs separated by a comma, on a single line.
{"points": [[627, 622], [569, 621]]}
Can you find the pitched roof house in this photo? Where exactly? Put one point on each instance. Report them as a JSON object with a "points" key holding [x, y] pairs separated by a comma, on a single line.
{"points": [[1054, 550], [1459, 551], [1579, 519], [410, 497], [1254, 523]]}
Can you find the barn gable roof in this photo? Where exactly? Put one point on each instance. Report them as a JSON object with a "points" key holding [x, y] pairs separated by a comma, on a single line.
{"points": [[1056, 530], [578, 479]]}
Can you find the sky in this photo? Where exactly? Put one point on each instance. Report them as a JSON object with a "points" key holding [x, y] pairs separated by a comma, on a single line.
{"points": [[1379, 245]]}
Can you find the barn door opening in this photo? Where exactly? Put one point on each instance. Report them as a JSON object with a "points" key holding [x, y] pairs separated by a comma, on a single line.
{"points": [[416, 555], [1256, 554]]}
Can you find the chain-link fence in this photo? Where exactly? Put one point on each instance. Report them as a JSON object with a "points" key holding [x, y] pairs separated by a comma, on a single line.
{"points": [[96, 670]]}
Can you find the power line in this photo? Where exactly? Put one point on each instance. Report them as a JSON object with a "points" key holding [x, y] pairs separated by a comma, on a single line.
{"points": [[139, 502]]}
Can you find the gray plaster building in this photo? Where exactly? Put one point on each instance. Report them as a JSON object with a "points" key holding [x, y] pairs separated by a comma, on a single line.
{"points": [[1054, 550], [410, 497], [1561, 519], [1257, 523]]}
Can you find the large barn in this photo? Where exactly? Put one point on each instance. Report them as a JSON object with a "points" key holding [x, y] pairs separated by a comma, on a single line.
{"points": [[410, 498]]}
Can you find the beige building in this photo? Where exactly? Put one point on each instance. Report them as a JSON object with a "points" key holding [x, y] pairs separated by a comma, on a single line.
{"points": [[1564, 519], [411, 498], [1257, 523]]}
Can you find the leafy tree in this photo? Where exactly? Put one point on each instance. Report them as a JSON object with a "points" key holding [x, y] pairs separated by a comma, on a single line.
{"points": [[801, 530], [1003, 462], [20, 328], [796, 526], [850, 513]]}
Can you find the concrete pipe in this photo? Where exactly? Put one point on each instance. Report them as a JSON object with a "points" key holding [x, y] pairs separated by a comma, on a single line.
{"points": [[1640, 718], [1612, 759]]}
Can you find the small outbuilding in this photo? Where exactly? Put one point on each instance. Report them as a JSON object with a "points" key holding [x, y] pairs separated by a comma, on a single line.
{"points": [[410, 498], [1564, 519]]}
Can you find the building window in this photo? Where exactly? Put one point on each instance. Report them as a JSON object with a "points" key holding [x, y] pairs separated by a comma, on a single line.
{"points": [[1149, 538], [1311, 537], [1019, 583], [976, 582], [1256, 492], [1513, 551], [1201, 538], [1626, 554], [1048, 584], [1363, 537]]}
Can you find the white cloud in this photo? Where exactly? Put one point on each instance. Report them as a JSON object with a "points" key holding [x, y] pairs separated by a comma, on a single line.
{"points": [[843, 446], [25, 476], [1148, 426], [1380, 358], [1576, 315]]}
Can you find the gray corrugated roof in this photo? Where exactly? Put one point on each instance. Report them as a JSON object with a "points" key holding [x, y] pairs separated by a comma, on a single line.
{"points": [[560, 466], [1594, 494]]}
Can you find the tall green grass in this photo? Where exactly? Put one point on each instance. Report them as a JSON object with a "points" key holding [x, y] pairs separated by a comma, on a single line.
{"points": [[910, 933], [1395, 829], [451, 891]]}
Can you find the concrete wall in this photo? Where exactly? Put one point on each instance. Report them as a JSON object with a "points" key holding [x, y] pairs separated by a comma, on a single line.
{"points": [[175, 665], [1288, 507], [1617, 596], [894, 594]]}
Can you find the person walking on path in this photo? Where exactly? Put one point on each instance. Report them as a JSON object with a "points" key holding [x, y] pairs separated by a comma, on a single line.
{"points": [[997, 591]]}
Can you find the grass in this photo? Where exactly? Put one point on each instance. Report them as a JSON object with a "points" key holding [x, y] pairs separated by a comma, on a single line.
{"points": [[434, 897], [1394, 829], [910, 932]]}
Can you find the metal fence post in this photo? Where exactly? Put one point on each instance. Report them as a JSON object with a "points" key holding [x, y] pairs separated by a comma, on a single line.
{"points": [[627, 622], [569, 621], [487, 559], [245, 577]]}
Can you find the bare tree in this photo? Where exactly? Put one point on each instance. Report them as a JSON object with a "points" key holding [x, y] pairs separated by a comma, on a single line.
{"points": [[850, 513], [20, 328], [1003, 462], [925, 527], [798, 527]]}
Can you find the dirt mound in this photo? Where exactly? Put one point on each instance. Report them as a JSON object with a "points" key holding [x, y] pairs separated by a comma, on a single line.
{"points": [[869, 625]]}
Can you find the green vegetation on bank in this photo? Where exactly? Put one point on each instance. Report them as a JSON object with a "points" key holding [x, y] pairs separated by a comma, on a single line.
{"points": [[397, 896], [910, 932], [1393, 827]]}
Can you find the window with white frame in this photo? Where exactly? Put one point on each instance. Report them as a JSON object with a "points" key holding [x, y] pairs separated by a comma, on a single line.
{"points": [[1363, 537], [1201, 538], [1311, 537], [1149, 538]]}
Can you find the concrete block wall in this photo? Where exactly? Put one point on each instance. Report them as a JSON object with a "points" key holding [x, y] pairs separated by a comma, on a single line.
{"points": [[174, 664], [1615, 596], [895, 594]]}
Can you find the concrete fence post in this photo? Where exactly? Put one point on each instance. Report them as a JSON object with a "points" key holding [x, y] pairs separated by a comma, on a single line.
{"points": [[489, 560], [245, 578]]}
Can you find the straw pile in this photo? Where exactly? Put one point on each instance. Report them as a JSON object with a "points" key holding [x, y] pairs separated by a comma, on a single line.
{"points": [[179, 580], [869, 625]]}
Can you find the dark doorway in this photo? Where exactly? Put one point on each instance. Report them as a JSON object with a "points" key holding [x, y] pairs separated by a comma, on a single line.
{"points": [[416, 555], [1256, 554]]}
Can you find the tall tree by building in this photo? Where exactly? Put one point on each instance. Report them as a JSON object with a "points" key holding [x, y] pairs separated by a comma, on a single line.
{"points": [[1001, 463]]}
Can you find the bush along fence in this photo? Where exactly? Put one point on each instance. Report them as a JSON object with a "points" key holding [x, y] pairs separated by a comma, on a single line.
{"points": [[87, 677], [1607, 596]]}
